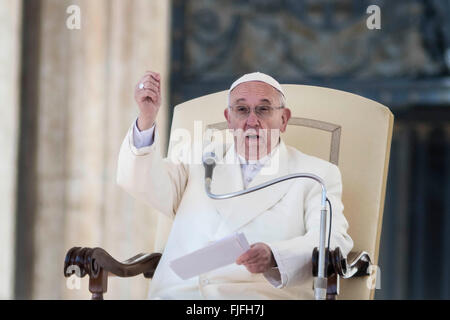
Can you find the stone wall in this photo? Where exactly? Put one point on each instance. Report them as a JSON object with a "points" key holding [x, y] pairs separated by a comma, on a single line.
{"points": [[10, 30], [84, 105]]}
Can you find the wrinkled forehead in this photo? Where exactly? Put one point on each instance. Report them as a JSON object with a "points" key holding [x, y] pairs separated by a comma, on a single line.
{"points": [[253, 91]]}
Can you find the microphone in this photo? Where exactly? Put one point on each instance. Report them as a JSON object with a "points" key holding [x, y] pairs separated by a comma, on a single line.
{"points": [[209, 162]]}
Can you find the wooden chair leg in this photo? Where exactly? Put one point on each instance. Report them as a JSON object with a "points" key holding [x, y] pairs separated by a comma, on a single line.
{"points": [[333, 287], [99, 285]]}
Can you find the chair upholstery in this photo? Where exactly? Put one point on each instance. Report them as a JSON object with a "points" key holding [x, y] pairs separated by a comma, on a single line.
{"points": [[349, 130]]}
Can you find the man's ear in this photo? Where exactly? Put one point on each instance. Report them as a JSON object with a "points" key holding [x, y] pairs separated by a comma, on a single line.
{"points": [[226, 114], [285, 119]]}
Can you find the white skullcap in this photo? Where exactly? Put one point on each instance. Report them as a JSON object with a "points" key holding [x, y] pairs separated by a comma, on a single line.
{"points": [[257, 76]]}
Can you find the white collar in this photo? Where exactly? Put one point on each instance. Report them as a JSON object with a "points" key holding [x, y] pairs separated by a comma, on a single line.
{"points": [[260, 162]]}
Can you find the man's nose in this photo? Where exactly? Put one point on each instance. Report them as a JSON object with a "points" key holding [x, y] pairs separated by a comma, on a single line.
{"points": [[252, 119]]}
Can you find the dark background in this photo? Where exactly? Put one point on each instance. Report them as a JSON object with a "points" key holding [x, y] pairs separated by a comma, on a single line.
{"points": [[405, 65]]}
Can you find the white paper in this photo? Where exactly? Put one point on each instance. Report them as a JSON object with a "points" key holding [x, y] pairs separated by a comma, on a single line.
{"points": [[218, 254]]}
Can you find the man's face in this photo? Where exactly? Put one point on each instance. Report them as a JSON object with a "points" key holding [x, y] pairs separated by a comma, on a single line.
{"points": [[256, 135]]}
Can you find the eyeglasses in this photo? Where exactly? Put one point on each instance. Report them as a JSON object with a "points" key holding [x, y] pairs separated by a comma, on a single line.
{"points": [[262, 112]]}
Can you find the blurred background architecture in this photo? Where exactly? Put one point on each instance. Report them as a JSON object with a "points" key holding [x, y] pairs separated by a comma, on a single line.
{"points": [[67, 98]]}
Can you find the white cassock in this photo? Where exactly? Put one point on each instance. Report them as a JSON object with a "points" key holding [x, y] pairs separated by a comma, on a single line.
{"points": [[285, 216]]}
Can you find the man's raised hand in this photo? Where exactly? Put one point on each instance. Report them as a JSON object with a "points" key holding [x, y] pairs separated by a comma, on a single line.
{"points": [[147, 94]]}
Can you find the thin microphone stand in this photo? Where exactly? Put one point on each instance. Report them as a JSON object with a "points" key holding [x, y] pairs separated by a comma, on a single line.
{"points": [[320, 284]]}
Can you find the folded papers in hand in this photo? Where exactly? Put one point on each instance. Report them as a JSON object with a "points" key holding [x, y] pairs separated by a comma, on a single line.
{"points": [[218, 254]]}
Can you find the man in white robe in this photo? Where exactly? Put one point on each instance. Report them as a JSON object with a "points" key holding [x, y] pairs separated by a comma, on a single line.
{"points": [[281, 222]]}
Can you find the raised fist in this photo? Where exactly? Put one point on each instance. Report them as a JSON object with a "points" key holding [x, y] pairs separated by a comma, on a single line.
{"points": [[147, 94]]}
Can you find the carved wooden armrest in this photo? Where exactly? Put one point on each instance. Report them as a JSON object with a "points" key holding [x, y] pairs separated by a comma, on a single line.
{"points": [[355, 265], [98, 264]]}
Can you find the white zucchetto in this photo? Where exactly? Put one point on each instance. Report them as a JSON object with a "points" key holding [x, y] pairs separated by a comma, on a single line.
{"points": [[257, 76]]}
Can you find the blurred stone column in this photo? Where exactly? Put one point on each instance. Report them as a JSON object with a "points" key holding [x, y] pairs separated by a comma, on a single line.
{"points": [[139, 41], [10, 34], [85, 107]]}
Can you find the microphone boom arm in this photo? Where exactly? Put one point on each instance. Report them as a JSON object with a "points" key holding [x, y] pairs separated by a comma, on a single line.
{"points": [[320, 283]]}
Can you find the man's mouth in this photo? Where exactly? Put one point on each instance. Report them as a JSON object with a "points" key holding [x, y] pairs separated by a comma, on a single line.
{"points": [[252, 134]]}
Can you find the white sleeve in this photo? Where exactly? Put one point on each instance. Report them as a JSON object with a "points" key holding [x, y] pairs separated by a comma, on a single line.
{"points": [[142, 138], [273, 275], [146, 176]]}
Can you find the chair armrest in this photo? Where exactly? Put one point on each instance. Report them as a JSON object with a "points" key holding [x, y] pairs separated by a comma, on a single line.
{"points": [[98, 264], [357, 264]]}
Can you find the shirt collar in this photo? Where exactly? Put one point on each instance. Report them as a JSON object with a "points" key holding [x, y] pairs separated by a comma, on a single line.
{"points": [[261, 162]]}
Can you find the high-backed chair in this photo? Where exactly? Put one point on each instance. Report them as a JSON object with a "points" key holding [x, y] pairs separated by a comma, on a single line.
{"points": [[346, 129]]}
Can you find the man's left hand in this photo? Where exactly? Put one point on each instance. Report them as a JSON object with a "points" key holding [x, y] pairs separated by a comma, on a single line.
{"points": [[258, 259]]}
